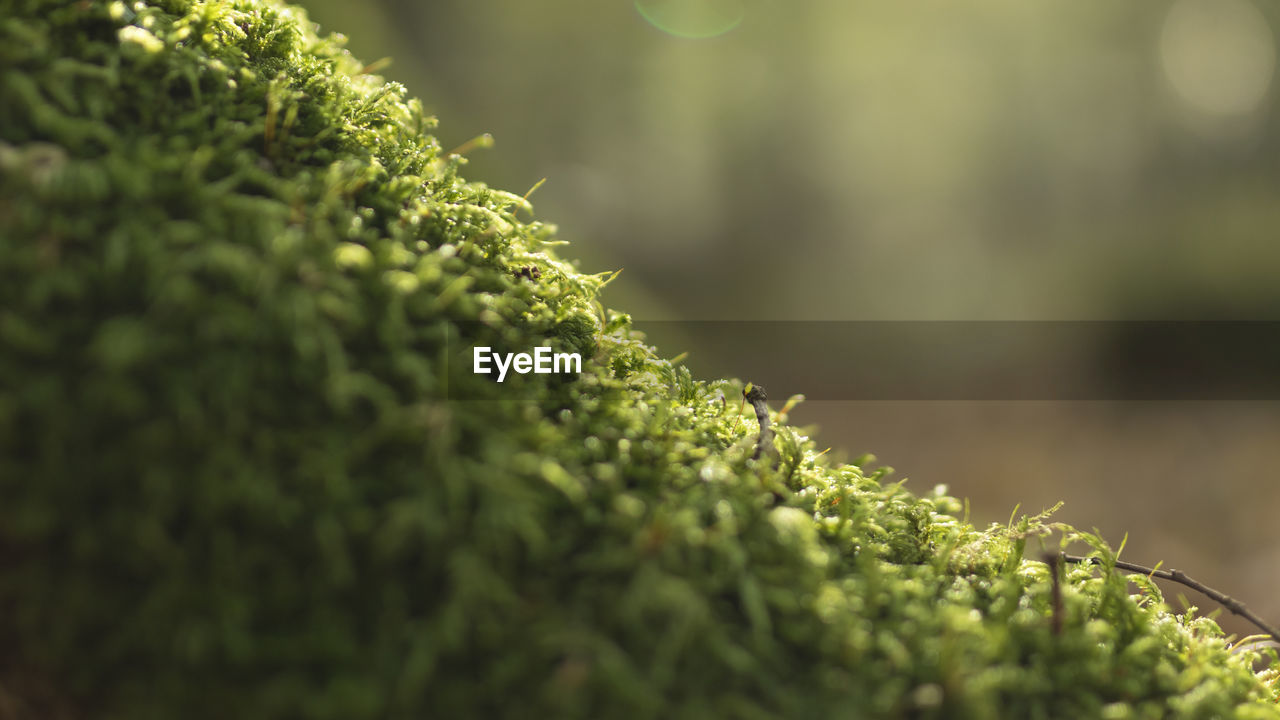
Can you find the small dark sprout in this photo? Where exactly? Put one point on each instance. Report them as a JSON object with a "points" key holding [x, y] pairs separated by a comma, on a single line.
{"points": [[529, 272], [1054, 561], [755, 395]]}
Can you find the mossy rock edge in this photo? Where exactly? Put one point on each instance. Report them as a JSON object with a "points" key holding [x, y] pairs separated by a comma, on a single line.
{"points": [[241, 475]]}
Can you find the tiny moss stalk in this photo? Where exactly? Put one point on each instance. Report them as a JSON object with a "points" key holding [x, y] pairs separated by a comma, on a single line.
{"points": [[755, 395]]}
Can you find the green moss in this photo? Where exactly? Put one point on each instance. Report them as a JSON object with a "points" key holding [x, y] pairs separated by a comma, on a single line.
{"points": [[237, 276]]}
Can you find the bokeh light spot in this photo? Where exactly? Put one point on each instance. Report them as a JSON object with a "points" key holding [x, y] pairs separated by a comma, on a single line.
{"points": [[1219, 55], [695, 19]]}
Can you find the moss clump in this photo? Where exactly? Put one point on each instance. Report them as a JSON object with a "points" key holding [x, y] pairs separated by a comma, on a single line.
{"points": [[234, 270]]}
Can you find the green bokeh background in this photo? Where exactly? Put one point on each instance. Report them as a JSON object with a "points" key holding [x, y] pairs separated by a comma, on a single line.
{"points": [[899, 161]]}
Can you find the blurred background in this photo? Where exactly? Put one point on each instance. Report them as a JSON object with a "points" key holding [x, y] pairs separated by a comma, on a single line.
{"points": [[840, 161]]}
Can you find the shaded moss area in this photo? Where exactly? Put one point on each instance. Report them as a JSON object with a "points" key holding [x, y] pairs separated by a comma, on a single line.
{"points": [[242, 474]]}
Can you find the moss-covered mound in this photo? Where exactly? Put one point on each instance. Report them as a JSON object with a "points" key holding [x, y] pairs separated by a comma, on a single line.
{"points": [[242, 474]]}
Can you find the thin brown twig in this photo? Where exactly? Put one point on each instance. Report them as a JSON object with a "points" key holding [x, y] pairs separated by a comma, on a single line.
{"points": [[1226, 601]]}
